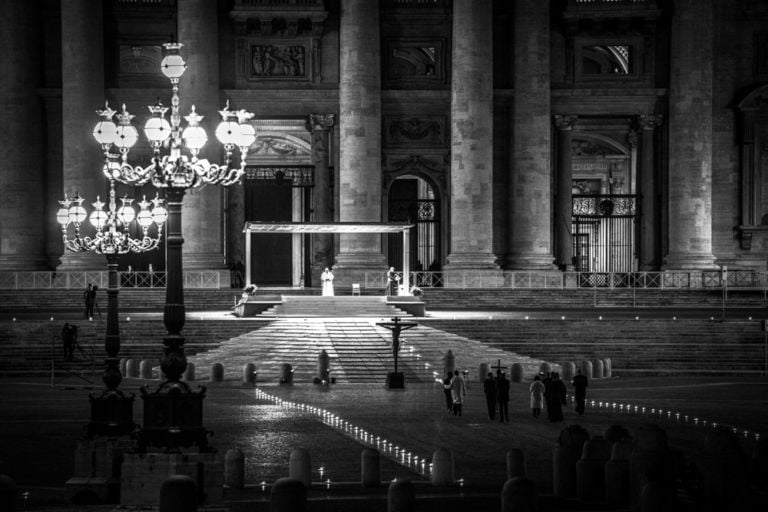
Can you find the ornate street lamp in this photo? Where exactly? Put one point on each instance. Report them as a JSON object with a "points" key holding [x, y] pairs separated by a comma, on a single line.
{"points": [[112, 410], [173, 413]]}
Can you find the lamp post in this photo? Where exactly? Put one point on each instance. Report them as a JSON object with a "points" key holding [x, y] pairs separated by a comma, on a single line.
{"points": [[173, 413], [112, 410]]}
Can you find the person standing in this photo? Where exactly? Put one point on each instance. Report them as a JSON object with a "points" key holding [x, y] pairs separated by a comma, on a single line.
{"points": [[392, 280], [537, 396], [447, 391], [327, 279], [489, 388], [555, 397], [502, 397], [90, 300], [458, 392], [68, 340], [580, 383]]}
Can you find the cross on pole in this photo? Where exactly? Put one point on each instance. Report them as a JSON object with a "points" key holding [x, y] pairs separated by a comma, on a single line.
{"points": [[498, 368], [396, 326]]}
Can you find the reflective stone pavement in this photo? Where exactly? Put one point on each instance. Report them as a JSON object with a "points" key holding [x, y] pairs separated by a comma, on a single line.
{"points": [[40, 425]]}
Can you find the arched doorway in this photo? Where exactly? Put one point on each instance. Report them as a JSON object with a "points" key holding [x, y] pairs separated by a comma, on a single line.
{"points": [[413, 199]]}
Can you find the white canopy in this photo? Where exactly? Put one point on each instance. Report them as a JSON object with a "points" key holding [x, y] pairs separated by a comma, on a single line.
{"points": [[252, 227]]}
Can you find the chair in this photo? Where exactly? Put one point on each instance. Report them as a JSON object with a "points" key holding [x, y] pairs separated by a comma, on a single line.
{"points": [[355, 288]]}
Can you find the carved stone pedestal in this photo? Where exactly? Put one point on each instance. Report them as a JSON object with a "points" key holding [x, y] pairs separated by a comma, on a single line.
{"points": [[97, 470]]}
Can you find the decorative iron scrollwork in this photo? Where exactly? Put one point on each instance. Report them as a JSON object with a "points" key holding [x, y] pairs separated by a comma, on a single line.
{"points": [[295, 176], [604, 205]]}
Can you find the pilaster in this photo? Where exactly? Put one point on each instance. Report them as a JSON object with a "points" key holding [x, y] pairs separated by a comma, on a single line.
{"points": [[649, 225], [563, 192], [320, 126]]}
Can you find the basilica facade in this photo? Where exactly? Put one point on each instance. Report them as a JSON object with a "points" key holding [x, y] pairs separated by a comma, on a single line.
{"points": [[528, 135]]}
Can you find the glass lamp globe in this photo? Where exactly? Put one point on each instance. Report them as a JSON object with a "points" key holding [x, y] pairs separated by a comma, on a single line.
{"points": [[126, 213], [159, 213], [173, 65], [62, 215], [98, 217], [247, 135], [144, 218], [77, 213], [105, 130], [157, 129], [126, 134], [228, 132]]}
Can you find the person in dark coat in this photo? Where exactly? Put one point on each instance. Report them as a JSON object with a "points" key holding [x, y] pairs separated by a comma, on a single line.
{"points": [[447, 392], [68, 335], [90, 299], [502, 397], [489, 387], [580, 383], [555, 397]]}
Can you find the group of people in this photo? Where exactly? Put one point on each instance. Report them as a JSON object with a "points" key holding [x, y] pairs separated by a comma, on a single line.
{"points": [[546, 391], [497, 396]]}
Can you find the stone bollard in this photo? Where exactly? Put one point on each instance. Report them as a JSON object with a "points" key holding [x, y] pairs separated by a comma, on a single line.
{"points": [[616, 433], [449, 363], [123, 362], [288, 495], [249, 374], [131, 369], [759, 463], [483, 372], [370, 468], [650, 460], [545, 368], [590, 469], [516, 372], [401, 496], [652, 497], [189, 372], [607, 368], [442, 467], [7, 493], [598, 369], [217, 372], [286, 374], [569, 370], [324, 367], [566, 454], [724, 470], [516, 463], [586, 369], [300, 467], [617, 473], [519, 495], [234, 469], [178, 493], [145, 369]]}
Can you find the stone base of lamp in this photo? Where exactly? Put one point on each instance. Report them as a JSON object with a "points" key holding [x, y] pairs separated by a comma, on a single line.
{"points": [[97, 470], [143, 475], [395, 380], [111, 414]]}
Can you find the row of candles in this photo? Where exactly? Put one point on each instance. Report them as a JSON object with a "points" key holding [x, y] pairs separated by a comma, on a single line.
{"points": [[662, 413], [399, 454]]}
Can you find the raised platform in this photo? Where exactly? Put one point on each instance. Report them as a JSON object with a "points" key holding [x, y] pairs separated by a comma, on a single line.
{"points": [[324, 307]]}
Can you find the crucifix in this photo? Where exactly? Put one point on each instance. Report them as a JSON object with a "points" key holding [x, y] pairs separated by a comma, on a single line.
{"points": [[396, 326], [498, 368]]}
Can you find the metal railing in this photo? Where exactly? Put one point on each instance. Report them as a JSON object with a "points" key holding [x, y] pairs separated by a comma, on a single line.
{"points": [[203, 279], [659, 280]]}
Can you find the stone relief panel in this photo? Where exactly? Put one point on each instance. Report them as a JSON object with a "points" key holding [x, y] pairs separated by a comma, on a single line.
{"points": [[414, 62], [427, 131], [265, 60]]}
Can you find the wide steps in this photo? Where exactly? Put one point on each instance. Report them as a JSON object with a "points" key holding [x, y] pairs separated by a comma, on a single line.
{"points": [[358, 350]]}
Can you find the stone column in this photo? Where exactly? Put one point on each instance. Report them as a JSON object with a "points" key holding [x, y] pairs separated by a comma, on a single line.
{"points": [[649, 230], [563, 192], [360, 138], [322, 201], [690, 138], [22, 168], [82, 90], [471, 232], [203, 217], [530, 235]]}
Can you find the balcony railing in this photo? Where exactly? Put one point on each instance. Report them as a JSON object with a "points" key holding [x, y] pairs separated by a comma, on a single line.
{"points": [[205, 279]]}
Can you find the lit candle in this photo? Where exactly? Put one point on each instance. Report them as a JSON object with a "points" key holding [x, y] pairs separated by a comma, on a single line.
{"points": [[328, 484], [263, 486]]}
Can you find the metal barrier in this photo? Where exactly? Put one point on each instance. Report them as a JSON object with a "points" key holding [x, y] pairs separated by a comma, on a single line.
{"points": [[205, 279]]}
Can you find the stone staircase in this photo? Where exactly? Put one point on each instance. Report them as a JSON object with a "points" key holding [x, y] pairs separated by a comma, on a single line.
{"points": [[359, 351], [337, 306], [658, 346]]}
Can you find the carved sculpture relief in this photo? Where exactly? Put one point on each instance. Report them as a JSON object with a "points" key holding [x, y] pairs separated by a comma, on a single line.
{"points": [[278, 61], [413, 131]]}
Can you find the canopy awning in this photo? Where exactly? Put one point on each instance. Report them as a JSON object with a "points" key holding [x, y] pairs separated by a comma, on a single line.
{"points": [[322, 227]]}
